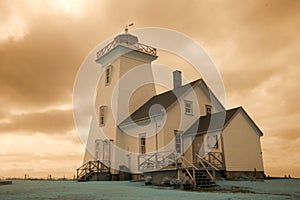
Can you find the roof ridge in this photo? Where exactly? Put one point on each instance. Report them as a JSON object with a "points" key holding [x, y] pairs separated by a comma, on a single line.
{"points": [[192, 82], [143, 109]]}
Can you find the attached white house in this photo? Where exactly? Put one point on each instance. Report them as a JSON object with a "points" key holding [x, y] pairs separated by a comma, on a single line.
{"points": [[179, 133]]}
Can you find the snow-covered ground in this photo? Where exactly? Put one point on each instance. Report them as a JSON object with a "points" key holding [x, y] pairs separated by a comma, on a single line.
{"points": [[269, 189]]}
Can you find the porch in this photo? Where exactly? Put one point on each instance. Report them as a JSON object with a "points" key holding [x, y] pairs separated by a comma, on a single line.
{"points": [[173, 167]]}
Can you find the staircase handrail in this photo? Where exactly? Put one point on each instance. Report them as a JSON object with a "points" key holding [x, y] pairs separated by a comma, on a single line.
{"points": [[211, 177], [89, 167], [202, 159]]}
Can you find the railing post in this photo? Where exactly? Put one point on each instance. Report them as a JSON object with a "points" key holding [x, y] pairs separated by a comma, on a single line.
{"points": [[156, 161], [195, 180], [89, 165], [214, 174], [139, 167]]}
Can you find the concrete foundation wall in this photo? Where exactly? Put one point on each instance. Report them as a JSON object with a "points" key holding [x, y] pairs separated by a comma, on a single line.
{"points": [[244, 175], [114, 177], [136, 176], [158, 176], [100, 177], [124, 176]]}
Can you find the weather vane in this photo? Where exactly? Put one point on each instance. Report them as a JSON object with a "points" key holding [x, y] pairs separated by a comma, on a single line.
{"points": [[128, 25]]}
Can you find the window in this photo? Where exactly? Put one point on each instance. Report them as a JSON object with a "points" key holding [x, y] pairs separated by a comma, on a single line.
{"points": [[143, 144], [212, 141], [97, 149], [102, 113], [208, 109], [108, 75], [178, 141], [188, 107]]}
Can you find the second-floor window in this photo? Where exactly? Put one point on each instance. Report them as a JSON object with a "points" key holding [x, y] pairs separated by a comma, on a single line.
{"points": [[108, 73], [188, 107]]}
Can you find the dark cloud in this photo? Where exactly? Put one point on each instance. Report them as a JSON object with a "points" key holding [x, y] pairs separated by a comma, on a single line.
{"points": [[40, 70], [47, 122]]}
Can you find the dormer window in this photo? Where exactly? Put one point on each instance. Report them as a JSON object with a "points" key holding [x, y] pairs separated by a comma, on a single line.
{"points": [[102, 115], [108, 75], [188, 107], [208, 109]]}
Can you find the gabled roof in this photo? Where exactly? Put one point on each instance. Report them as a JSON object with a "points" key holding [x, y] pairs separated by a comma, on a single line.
{"points": [[220, 121], [165, 99], [203, 124]]}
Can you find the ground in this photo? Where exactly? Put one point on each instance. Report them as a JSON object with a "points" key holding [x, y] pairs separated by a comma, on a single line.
{"points": [[268, 189]]}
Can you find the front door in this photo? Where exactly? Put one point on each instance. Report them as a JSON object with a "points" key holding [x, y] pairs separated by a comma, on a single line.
{"points": [[106, 152], [198, 146]]}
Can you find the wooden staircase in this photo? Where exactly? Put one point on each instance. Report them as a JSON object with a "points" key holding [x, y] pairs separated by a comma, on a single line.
{"points": [[201, 173], [203, 180], [199, 178], [208, 166], [93, 170]]}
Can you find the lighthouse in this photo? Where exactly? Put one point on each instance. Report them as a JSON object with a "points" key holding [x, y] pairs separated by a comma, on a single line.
{"points": [[123, 61]]}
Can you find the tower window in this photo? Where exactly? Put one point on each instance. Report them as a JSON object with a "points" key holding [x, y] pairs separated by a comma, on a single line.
{"points": [[208, 109], [178, 141], [142, 143], [108, 75], [188, 107], [102, 113]]}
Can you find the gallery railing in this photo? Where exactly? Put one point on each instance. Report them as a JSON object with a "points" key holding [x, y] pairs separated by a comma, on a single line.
{"points": [[136, 46]]}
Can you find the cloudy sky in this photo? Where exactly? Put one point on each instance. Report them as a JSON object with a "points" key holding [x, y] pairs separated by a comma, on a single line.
{"points": [[254, 44]]}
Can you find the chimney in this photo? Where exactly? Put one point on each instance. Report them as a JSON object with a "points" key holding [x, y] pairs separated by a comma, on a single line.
{"points": [[177, 79]]}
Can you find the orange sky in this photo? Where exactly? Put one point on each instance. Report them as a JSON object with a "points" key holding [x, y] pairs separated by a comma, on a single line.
{"points": [[254, 44]]}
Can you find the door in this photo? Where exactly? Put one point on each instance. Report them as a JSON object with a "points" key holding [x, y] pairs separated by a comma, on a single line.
{"points": [[106, 152], [198, 147]]}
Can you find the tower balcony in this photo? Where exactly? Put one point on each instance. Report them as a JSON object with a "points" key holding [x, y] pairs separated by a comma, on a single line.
{"points": [[127, 41]]}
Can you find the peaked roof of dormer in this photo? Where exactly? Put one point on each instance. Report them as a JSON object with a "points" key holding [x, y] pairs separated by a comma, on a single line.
{"points": [[165, 99], [220, 121]]}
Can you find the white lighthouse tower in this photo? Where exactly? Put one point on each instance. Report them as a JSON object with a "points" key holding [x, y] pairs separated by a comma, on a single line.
{"points": [[118, 59]]}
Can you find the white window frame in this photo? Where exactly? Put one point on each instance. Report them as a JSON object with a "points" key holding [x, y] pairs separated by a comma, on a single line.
{"points": [[188, 107]]}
